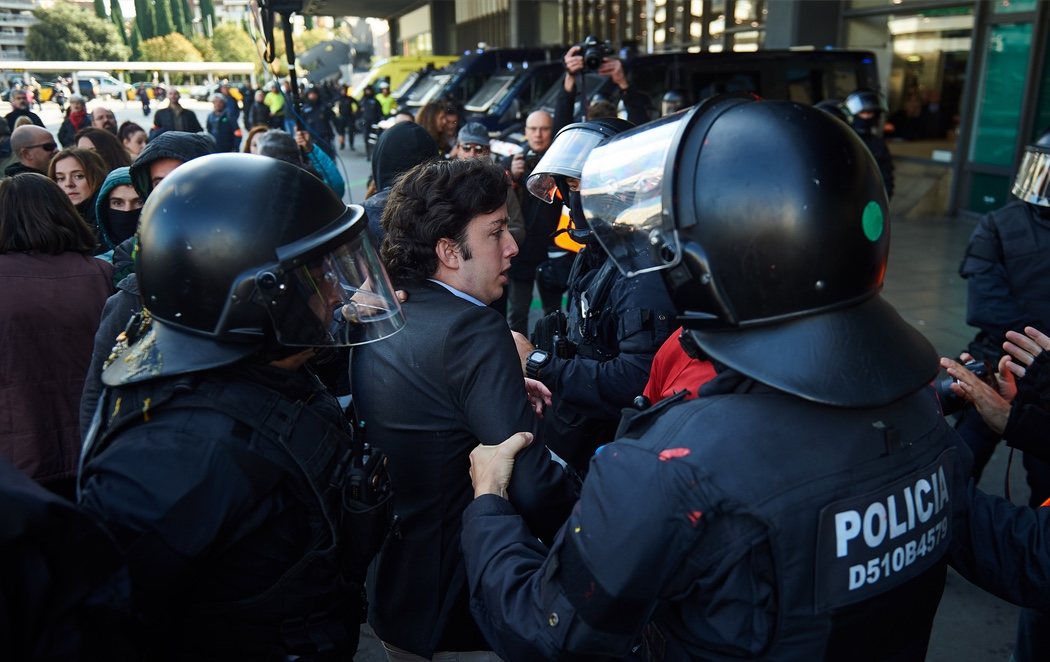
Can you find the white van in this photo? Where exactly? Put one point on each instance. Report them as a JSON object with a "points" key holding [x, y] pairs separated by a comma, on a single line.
{"points": [[105, 84]]}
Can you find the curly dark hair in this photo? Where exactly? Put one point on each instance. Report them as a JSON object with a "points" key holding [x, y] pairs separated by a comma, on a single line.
{"points": [[432, 201]]}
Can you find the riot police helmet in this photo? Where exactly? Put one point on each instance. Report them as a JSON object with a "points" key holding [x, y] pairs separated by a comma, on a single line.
{"points": [[240, 254], [1032, 184], [835, 108], [768, 220], [564, 159], [672, 102], [863, 101]]}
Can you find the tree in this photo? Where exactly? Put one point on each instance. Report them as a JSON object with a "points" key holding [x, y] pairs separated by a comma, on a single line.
{"points": [[170, 48], [187, 13], [232, 44], [205, 46], [66, 32], [178, 20], [165, 26], [116, 14], [100, 9], [135, 42], [208, 16], [145, 19]]}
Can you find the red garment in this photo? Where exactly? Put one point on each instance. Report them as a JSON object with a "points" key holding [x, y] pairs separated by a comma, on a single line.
{"points": [[674, 371], [50, 306], [77, 119]]}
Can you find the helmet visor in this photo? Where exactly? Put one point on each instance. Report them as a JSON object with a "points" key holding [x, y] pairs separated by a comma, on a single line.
{"points": [[566, 157], [1032, 183], [622, 191], [339, 298]]}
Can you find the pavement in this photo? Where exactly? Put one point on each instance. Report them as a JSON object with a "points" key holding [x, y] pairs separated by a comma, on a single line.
{"points": [[923, 284]]}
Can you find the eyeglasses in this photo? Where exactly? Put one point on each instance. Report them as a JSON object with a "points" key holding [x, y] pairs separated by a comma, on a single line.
{"points": [[48, 147], [477, 149]]}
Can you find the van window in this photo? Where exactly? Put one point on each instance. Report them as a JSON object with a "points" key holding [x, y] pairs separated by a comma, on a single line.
{"points": [[491, 93]]}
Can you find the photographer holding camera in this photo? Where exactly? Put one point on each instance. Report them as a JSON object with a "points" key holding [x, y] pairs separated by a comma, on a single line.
{"points": [[595, 56]]}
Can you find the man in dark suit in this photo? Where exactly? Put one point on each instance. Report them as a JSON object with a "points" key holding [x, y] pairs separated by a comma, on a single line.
{"points": [[449, 380]]}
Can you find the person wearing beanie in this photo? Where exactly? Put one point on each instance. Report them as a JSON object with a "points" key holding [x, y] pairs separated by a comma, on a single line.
{"points": [[399, 149]]}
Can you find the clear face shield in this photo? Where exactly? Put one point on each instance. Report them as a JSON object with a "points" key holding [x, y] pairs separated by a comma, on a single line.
{"points": [[1032, 184], [565, 157], [338, 297], [622, 191]]}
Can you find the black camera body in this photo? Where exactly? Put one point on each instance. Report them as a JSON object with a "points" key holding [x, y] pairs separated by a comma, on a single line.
{"points": [[951, 403], [594, 52], [531, 160]]}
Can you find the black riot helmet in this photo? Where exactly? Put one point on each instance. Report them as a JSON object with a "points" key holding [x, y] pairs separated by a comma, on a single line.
{"points": [[565, 158], [768, 220], [672, 102], [863, 102], [239, 253], [835, 108], [1032, 183]]}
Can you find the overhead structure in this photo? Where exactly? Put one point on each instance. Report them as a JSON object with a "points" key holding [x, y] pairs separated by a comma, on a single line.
{"points": [[371, 8]]}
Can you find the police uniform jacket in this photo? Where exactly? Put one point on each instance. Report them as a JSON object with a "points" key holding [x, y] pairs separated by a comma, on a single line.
{"points": [[1003, 549], [211, 515], [744, 524], [449, 380], [616, 324], [1007, 274]]}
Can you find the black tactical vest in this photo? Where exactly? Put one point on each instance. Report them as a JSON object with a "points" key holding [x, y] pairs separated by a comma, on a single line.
{"points": [[829, 526], [316, 607], [1022, 249]]}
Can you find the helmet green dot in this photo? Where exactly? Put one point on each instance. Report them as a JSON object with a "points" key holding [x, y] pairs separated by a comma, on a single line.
{"points": [[872, 221]]}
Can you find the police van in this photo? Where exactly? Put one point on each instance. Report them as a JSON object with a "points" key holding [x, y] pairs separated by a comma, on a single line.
{"points": [[506, 98], [459, 82], [806, 76]]}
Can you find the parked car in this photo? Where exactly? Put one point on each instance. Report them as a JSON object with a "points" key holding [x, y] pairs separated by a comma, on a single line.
{"points": [[105, 84]]}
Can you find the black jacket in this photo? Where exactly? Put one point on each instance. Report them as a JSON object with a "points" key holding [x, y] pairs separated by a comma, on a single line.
{"points": [[119, 309], [166, 119], [17, 168], [733, 525], [1007, 275], [212, 514], [13, 116], [428, 395], [626, 321]]}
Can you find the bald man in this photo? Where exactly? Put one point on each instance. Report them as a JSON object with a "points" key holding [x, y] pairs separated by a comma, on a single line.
{"points": [[103, 118], [541, 220], [32, 148]]}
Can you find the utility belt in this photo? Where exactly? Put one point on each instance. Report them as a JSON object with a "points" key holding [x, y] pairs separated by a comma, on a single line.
{"points": [[551, 334]]}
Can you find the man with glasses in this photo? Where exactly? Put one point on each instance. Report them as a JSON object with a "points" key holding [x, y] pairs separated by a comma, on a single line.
{"points": [[32, 148], [103, 118], [20, 108]]}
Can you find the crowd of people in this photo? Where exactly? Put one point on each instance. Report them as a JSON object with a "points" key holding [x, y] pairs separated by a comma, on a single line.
{"points": [[663, 467]]}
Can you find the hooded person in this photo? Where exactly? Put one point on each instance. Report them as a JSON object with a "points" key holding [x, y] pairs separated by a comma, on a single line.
{"points": [[175, 145], [399, 149], [159, 158], [117, 219]]}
